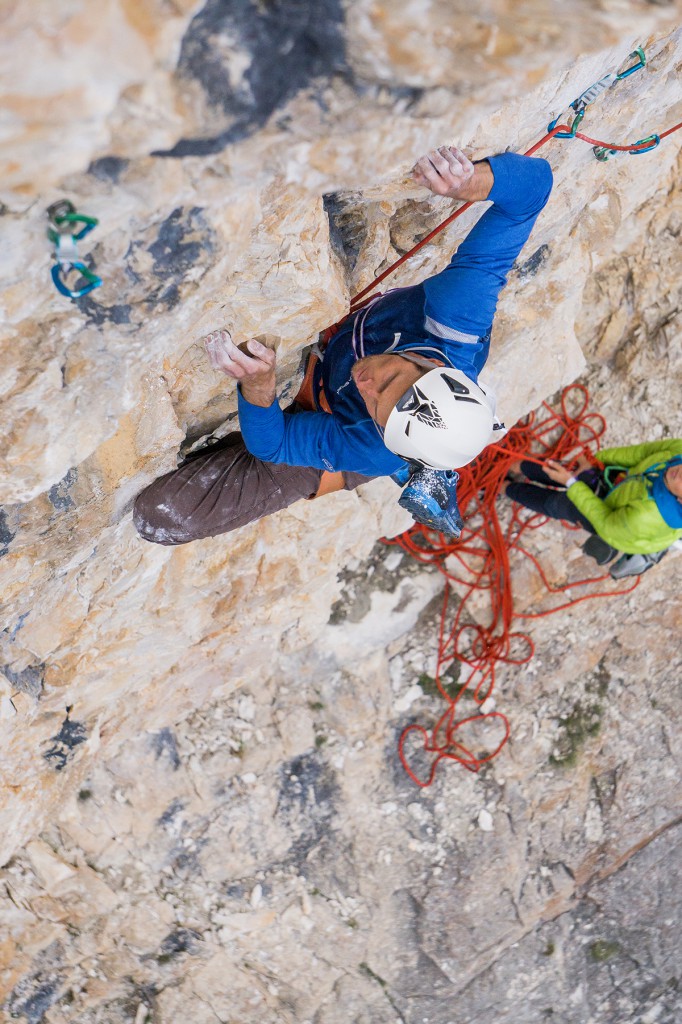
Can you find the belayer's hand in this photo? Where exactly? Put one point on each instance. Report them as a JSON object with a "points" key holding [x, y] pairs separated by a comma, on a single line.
{"points": [[581, 463], [447, 171], [556, 472], [252, 364]]}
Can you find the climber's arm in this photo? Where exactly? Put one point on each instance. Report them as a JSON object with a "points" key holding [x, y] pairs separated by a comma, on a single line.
{"points": [[310, 439], [632, 455], [463, 297]]}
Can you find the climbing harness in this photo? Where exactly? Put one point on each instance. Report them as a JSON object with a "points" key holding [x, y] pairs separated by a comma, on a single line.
{"points": [[63, 218]]}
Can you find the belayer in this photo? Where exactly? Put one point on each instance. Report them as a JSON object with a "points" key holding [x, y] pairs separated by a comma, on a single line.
{"points": [[633, 506], [399, 381]]}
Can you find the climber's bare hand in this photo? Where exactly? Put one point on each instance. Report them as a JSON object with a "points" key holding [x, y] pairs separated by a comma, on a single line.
{"points": [[251, 363], [446, 171], [239, 361]]}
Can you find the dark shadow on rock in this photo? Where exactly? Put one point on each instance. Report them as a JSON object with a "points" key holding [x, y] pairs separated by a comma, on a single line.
{"points": [[290, 43], [98, 314], [29, 680], [182, 940], [163, 743], [6, 534], [108, 168], [183, 240], [59, 495], [71, 735], [33, 996], [531, 266], [306, 803]]}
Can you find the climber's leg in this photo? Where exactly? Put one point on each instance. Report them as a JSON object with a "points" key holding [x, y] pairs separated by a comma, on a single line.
{"points": [[219, 491], [532, 471], [550, 502]]}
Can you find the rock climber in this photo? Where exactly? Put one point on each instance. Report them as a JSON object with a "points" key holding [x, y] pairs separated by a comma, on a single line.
{"points": [[633, 507], [399, 380]]}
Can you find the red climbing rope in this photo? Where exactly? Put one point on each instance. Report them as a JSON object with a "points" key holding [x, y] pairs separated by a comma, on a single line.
{"points": [[480, 562], [637, 147]]}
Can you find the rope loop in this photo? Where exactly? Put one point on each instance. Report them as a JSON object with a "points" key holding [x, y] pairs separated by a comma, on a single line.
{"points": [[483, 563]]}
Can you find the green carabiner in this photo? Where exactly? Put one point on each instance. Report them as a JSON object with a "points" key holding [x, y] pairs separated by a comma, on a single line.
{"points": [[641, 62], [573, 127], [603, 152], [77, 218], [576, 121]]}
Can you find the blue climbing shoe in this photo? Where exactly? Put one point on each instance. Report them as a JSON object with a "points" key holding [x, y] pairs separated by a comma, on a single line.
{"points": [[431, 499]]}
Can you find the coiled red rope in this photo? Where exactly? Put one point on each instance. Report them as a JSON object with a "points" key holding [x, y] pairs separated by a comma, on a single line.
{"points": [[480, 562]]}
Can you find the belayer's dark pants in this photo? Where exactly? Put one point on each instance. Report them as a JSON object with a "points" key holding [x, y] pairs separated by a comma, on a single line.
{"points": [[549, 499], [220, 489]]}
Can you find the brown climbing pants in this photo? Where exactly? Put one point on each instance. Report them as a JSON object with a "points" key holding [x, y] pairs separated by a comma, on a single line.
{"points": [[222, 488]]}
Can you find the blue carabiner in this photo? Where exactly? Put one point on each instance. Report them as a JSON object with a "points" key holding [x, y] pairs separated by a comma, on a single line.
{"points": [[653, 140], [93, 281], [579, 115], [560, 135], [641, 62]]}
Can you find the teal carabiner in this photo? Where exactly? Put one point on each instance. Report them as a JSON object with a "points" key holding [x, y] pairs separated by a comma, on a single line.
{"points": [[641, 62], [59, 272], [574, 126], [63, 217], [652, 140]]}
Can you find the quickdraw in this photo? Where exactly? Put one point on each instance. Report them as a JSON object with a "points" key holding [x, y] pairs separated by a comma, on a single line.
{"points": [[63, 218], [590, 94], [605, 150], [643, 146]]}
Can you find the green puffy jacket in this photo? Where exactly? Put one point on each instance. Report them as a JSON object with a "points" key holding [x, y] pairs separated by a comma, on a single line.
{"points": [[627, 518]]}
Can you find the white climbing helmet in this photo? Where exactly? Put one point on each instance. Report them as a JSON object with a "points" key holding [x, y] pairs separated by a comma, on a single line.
{"points": [[443, 421]]}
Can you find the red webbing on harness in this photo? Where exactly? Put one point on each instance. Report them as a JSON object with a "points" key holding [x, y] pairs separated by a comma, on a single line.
{"points": [[479, 562]]}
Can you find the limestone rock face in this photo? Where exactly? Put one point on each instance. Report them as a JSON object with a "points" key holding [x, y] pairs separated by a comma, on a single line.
{"points": [[63, 67], [202, 810]]}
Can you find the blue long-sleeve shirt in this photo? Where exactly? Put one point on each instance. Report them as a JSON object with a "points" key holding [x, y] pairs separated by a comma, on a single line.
{"points": [[446, 317]]}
